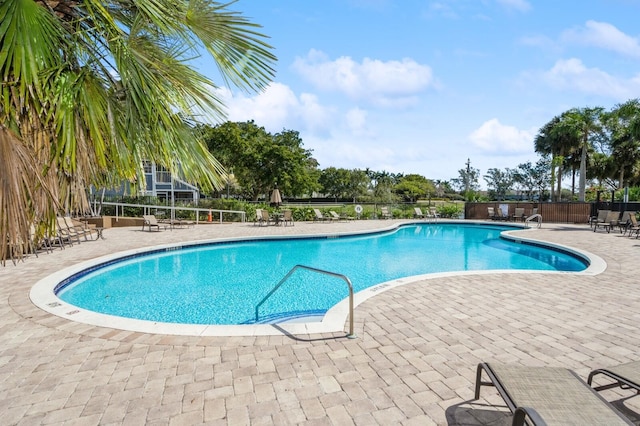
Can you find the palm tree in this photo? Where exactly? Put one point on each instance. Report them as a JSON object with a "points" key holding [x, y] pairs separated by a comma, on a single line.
{"points": [[91, 88], [556, 139], [621, 124], [587, 123]]}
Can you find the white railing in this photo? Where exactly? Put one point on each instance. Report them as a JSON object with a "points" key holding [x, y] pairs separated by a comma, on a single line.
{"points": [[147, 209]]}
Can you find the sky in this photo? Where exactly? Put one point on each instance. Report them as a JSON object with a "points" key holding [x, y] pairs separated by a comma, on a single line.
{"points": [[420, 86]]}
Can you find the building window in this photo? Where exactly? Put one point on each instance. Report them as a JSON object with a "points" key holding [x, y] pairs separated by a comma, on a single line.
{"points": [[162, 175]]}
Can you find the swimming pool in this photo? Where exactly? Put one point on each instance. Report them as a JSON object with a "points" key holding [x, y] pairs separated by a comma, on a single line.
{"points": [[222, 283]]}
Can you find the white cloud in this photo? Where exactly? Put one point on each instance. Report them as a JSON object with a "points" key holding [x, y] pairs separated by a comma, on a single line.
{"points": [[340, 149], [540, 41], [495, 137], [519, 5], [388, 84], [605, 36], [356, 122], [278, 108], [442, 9], [572, 74]]}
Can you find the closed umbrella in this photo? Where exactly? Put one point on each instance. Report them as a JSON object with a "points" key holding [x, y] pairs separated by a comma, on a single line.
{"points": [[276, 198]]}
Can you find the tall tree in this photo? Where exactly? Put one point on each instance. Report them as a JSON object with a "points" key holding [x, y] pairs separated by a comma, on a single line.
{"points": [[414, 186], [541, 176], [557, 139], [523, 178], [587, 122], [382, 184], [91, 88], [342, 183], [624, 143], [261, 160], [467, 182], [499, 182]]}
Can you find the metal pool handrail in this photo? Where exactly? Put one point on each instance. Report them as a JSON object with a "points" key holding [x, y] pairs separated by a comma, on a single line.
{"points": [[351, 335], [534, 216]]}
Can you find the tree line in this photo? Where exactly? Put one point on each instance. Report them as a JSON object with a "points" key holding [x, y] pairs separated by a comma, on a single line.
{"points": [[598, 146], [258, 162], [601, 148]]}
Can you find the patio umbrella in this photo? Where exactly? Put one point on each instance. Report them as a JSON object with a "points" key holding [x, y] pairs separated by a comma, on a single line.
{"points": [[276, 198]]}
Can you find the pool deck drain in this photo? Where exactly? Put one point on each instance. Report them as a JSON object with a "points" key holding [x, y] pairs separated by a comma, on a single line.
{"points": [[412, 363]]}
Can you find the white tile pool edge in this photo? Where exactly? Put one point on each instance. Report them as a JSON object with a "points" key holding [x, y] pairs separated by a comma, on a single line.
{"points": [[42, 293]]}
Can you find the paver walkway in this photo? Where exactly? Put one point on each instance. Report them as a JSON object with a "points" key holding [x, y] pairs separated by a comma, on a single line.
{"points": [[413, 362]]}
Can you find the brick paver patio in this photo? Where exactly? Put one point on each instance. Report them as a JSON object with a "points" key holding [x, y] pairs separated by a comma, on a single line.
{"points": [[413, 362]]}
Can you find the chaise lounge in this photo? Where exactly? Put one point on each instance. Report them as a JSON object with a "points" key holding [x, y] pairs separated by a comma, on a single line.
{"points": [[385, 213], [600, 218], [548, 396], [320, 217], [150, 222], [626, 376], [609, 222]]}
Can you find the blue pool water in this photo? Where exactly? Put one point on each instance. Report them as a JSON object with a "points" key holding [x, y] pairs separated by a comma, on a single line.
{"points": [[223, 283]]}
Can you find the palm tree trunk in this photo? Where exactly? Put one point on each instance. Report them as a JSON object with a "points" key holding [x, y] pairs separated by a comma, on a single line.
{"points": [[559, 183], [583, 169]]}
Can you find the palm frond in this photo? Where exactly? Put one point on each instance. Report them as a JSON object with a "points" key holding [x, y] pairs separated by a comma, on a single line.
{"points": [[92, 89]]}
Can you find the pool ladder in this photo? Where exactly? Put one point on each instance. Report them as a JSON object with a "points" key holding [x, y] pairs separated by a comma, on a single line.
{"points": [[537, 217], [351, 334]]}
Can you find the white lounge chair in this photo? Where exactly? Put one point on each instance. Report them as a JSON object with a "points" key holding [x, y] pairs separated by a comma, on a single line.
{"points": [[385, 213], [150, 222], [319, 216]]}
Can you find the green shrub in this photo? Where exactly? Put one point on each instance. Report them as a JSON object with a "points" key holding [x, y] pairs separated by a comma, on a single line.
{"points": [[449, 210]]}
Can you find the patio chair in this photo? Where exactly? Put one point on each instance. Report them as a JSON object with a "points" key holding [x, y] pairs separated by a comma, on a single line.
{"points": [[609, 222], [385, 213], [633, 225], [287, 217], [319, 216], [344, 217], [626, 376], [266, 218], [499, 215], [39, 242], [66, 233], [548, 396], [80, 227], [600, 218], [491, 212], [334, 216], [150, 222], [625, 221], [187, 222], [177, 223], [417, 213], [519, 214], [433, 213], [258, 220], [58, 236]]}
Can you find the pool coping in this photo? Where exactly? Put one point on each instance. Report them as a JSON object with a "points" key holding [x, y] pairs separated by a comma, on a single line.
{"points": [[42, 293]]}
